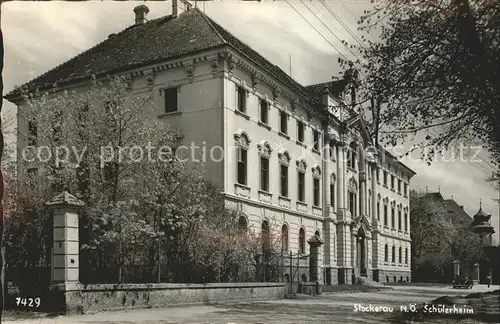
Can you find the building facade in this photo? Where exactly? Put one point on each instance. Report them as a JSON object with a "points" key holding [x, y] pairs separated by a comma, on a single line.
{"points": [[292, 158]]}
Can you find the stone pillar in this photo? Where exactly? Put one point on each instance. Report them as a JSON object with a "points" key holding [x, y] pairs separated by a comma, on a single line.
{"points": [[354, 245], [456, 268], [475, 274], [341, 178], [314, 266], [362, 192], [65, 250], [374, 194]]}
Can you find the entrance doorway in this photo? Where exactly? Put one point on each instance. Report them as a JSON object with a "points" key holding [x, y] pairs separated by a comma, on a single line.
{"points": [[361, 252]]}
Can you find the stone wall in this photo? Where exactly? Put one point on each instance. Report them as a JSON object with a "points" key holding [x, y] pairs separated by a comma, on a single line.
{"points": [[388, 276], [82, 299]]}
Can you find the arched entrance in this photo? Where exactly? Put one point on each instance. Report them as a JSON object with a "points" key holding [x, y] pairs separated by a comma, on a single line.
{"points": [[361, 252]]}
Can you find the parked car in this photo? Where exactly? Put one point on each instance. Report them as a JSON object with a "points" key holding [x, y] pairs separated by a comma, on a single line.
{"points": [[462, 282]]}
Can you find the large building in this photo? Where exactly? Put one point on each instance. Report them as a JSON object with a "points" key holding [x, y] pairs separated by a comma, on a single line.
{"points": [[282, 164]]}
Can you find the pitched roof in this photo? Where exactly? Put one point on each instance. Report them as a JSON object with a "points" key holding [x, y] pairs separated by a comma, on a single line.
{"points": [[460, 215], [154, 41], [334, 88]]}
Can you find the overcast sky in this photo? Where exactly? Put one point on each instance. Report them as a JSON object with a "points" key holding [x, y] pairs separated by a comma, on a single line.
{"points": [[40, 35]]}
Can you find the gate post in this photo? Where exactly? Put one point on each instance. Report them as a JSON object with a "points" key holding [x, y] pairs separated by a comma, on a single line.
{"points": [[314, 267], [65, 250], [476, 277]]}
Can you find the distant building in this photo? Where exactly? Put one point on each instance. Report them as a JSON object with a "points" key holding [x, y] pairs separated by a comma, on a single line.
{"points": [[456, 212], [481, 225]]}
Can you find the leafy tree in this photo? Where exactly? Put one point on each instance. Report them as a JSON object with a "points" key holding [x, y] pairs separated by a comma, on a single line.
{"points": [[437, 240], [434, 71], [428, 222]]}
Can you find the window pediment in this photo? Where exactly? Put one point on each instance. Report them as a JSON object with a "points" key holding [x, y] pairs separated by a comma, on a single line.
{"points": [[316, 171], [301, 165], [242, 139], [284, 157], [264, 149], [352, 186]]}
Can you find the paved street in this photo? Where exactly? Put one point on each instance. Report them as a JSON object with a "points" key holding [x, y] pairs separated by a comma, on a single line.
{"points": [[327, 308]]}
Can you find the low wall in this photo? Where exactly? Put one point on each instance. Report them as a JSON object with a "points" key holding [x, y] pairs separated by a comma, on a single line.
{"points": [[384, 275], [80, 299]]}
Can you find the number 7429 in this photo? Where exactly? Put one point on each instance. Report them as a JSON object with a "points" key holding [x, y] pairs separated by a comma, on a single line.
{"points": [[28, 302]]}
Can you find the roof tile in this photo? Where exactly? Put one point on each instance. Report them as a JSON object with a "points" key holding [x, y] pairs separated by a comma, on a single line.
{"points": [[155, 41]]}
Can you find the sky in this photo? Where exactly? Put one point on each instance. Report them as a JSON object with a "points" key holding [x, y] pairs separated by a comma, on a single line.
{"points": [[41, 35]]}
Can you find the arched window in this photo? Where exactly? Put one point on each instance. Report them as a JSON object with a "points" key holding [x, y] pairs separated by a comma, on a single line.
{"points": [[400, 255], [352, 188], [266, 237], [284, 237], [386, 253], [406, 255], [393, 255], [302, 241], [351, 156], [242, 224]]}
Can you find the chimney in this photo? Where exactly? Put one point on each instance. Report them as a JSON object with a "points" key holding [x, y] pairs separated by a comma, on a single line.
{"points": [[140, 14], [174, 8]]}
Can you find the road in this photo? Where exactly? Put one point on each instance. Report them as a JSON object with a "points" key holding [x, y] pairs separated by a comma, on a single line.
{"points": [[327, 308]]}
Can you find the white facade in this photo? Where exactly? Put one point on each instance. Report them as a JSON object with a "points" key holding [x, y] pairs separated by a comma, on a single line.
{"points": [[207, 114]]}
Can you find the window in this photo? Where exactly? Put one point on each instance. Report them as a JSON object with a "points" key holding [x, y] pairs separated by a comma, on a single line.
{"points": [[405, 189], [242, 166], [302, 241], [406, 222], [284, 180], [352, 203], [32, 132], [332, 149], [316, 140], [266, 236], [57, 126], [406, 255], [264, 111], [400, 223], [316, 191], [385, 215], [300, 131], [332, 195], [351, 156], [378, 174], [378, 210], [400, 255], [242, 224], [264, 174], [109, 171], [171, 100], [386, 253], [393, 218], [385, 178], [301, 186], [392, 181], [283, 122], [393, 255], [242, 99], [32, 172], [369, 203], [284, 237], [399, 186]]}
